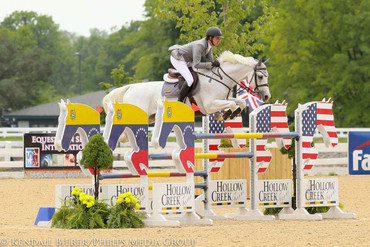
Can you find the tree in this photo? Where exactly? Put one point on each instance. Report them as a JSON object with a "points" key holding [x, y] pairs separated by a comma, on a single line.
{"points": [[32, 52], [97, 155], [320, 50], [244, 23]]}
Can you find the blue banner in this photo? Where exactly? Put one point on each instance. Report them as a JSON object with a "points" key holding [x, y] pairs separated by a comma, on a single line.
{"points": [[359, 153]]}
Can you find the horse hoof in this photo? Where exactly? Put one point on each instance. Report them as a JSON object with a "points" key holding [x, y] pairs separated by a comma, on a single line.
{"points": [[235, 113], [227, 115]]}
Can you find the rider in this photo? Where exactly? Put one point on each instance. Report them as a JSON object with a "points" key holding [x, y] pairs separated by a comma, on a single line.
{"points": [[189, 55]]}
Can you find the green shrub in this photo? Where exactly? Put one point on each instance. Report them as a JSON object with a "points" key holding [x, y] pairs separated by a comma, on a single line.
{"points": [[123, 214], [311, 210], [83, 212]]}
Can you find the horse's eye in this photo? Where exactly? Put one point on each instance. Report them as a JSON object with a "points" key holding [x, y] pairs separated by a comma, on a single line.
{"points": [[260, 77]]}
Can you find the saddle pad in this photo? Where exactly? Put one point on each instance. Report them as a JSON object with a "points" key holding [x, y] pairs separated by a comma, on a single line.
{"points": [[170, 90]]}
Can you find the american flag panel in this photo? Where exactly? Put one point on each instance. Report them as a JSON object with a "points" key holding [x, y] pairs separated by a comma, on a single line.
{"points": [[308, 127], [325, 121], [215, 126], [279, 123], [235, 126], [262, 157], [316, 114], [232, 126]]}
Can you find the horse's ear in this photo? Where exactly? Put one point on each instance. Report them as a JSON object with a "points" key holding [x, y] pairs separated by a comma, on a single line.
{"points": [[266, 61], [259, 62]]}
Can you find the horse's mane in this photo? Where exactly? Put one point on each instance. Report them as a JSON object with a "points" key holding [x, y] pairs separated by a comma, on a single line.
{"points": [[228, 56]]}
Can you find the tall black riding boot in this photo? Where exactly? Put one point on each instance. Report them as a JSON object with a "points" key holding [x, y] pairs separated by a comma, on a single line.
{"points": [[183, 92]]}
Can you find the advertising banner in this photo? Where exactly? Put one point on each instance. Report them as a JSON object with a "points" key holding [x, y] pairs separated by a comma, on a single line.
{"points": [[359, 153], [227, 193], [40, 153]]}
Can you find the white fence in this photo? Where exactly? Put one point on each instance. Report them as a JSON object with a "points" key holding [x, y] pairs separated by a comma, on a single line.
{"points": [[19, 132], [11, 152], [11, 155]]}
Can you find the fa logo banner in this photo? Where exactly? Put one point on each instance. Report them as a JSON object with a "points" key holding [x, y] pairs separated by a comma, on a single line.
{"points": [[359, 153]]}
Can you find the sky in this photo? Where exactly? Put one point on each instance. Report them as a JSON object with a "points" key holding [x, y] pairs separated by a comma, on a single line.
{"points": [[79, 16]]}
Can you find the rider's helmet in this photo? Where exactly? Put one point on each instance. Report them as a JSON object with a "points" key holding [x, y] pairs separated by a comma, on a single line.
{"points": [[214, 32]]}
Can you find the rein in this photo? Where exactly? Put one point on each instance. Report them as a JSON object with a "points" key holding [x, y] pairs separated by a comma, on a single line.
{"points": [[237, 83]]}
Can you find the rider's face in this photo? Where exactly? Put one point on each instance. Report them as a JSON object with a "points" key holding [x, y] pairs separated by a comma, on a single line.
{"points": [[216, 41]]}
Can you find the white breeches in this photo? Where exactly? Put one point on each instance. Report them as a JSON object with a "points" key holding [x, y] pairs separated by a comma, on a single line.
{"points": [[183, 69]]}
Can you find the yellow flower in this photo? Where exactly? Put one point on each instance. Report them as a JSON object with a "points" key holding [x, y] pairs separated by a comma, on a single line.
{"points": [[129, 193], [89, 204], [122, 195], [134, 200], [137, 206], [119, 201], [76, 191], [84, 202], [127, 200]]}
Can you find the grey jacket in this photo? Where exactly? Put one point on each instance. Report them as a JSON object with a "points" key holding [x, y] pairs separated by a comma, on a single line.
{"points": [[192, 53]]}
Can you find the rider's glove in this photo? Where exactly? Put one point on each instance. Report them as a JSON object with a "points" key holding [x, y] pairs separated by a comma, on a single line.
{"points": [[216, 63]]}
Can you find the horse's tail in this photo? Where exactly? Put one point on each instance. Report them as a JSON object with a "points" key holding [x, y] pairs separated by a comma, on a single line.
{"points": [[115, 95]]}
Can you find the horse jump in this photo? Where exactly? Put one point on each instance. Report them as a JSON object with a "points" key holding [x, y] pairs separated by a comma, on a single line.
{"points": [[184, 162]]}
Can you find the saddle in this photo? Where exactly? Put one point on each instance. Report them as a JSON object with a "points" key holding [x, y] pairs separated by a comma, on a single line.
{"points": [[175, 75], [173, 82]]}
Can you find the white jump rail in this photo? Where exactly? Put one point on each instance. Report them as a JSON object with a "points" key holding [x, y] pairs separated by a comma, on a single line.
{"points": [[19, 132]]}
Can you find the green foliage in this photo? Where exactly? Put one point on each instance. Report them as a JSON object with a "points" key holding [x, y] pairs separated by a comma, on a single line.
{"points": [[225, 143], [97, 154], [290, 151], [319, 50], [123, 214], [311, 210], [82, 212], [244, 25], [119, 76]]}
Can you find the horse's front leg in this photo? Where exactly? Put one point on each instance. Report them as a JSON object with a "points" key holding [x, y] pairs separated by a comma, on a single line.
{"points": [[232, 114], [218, 105]]}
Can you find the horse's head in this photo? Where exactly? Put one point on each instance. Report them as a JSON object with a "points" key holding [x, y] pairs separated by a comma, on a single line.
{"points": [[237, 68], [259, 80], [75, 118]]}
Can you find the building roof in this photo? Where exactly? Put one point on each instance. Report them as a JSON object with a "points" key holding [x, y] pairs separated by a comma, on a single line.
{"points": [[52, 109]]}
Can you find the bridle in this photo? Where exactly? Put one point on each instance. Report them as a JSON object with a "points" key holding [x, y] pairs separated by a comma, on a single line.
{"points": [[241, 87], [263, 72]]}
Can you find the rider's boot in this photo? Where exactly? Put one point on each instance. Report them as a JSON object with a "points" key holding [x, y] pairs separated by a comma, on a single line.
{"points": [[183, 92]]}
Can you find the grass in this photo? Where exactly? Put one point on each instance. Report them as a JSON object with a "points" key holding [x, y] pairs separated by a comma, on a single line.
{"points": [[320, 140], [14, 138]]}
